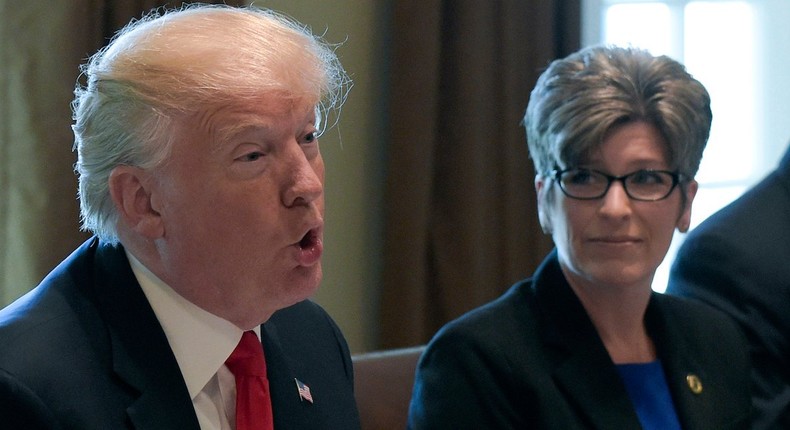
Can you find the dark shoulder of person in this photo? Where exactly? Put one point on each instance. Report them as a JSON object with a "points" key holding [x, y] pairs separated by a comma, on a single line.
{"points": [[21, 409]]}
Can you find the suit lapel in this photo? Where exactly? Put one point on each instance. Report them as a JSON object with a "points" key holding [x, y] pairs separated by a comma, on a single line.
{"points": [[141, 354], [582, 369], [676, 350], [597, 394], [289, 410]]}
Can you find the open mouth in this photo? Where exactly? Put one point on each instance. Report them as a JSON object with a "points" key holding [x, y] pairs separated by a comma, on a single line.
{"points": [[310, 248], [309, 240]]}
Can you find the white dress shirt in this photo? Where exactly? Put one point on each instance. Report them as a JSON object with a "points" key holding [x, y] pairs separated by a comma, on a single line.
{"points": [[201, 342]]}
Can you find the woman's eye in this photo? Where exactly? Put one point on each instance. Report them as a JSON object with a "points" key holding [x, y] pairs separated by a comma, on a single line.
{"points": [[580, 177], [647, 177]]}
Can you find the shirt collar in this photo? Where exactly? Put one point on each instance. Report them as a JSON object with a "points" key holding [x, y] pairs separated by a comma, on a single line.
{"points": [[200, 340]]}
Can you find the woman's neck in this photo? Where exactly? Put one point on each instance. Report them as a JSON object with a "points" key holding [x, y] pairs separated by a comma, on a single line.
{"points": [[618, 315]]}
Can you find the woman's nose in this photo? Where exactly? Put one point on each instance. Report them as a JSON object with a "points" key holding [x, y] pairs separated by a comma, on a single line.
{"points": [[616, 201]]}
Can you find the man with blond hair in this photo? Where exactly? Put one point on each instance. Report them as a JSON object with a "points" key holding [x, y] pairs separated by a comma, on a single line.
{"points": [[201, 177]]}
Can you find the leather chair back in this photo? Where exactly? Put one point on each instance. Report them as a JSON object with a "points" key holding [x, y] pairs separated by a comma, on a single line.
{"points": [[383, 383]]}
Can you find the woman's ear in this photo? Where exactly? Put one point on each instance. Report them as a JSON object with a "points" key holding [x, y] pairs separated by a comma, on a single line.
{"points": [[541, 189], [684, 220], [132, 190]]}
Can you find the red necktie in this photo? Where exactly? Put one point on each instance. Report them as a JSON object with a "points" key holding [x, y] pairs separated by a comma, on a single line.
{"points": [[253, 404]]}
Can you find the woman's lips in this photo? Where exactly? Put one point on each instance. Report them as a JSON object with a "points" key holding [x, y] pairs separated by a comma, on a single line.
{"points": [[620, 242]]}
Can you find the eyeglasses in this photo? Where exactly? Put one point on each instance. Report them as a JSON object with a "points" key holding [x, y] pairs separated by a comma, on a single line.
{"points": [[643, 185]]}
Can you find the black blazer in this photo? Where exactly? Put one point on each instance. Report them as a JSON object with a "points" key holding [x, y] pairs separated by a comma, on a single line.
{"points": [[533, 360], [738, 260], [84, 350]]}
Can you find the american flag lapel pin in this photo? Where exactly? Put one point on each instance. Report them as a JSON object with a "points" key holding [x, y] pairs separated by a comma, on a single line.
{"points": [[304, 391]]}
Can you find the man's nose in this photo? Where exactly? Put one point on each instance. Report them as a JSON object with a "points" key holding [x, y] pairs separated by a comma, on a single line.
{"points": [[305, 181]]}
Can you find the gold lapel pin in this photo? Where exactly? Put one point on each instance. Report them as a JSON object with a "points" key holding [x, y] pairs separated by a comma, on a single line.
{"points": [[695, 385]]}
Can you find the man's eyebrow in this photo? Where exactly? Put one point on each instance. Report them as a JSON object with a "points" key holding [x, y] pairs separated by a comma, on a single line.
{"points": [[228, 132]]}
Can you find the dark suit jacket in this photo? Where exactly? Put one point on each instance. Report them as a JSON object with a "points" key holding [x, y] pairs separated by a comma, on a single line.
{"points": [[85, 348], [533, 360], [738, 260]]}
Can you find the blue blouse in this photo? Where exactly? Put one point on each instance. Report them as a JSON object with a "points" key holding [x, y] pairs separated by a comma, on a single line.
{"points": [[647, 387]]}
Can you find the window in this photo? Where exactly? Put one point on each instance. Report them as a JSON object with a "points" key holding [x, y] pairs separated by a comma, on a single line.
{"points": [[739, 51]]}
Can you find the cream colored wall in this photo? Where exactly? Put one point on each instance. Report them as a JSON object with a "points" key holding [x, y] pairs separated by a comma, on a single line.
{"points": [[354, 156]]}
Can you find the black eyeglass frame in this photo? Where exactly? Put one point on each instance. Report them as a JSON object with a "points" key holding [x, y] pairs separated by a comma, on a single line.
{"points": [[677, 178]]}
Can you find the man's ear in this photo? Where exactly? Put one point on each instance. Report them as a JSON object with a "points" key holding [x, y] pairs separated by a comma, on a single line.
{"points": [[540, 191], [684, 220], [131, 189]]}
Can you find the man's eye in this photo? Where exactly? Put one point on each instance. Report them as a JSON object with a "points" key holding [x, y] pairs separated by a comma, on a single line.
{"points": [[310, 137], [252, 156]]}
